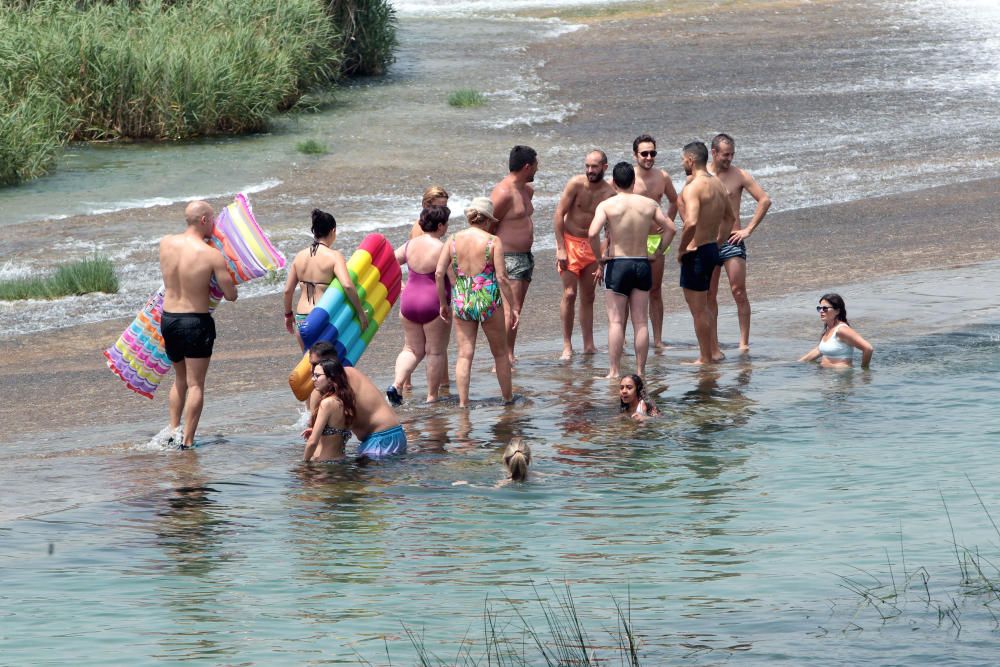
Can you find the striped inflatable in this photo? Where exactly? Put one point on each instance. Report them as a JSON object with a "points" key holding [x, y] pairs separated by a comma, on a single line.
{"points": [[377, 277], [138, 356]]}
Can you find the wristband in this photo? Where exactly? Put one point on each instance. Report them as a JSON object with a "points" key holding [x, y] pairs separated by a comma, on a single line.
{"points": [[288, 314]]}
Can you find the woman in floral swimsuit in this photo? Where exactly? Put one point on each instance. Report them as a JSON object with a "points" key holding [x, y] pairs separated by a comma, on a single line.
{"points": [[478, 280]]}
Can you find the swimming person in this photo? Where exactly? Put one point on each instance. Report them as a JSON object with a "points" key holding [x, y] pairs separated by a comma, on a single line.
{"points": [[634, 402], [350, 403], [517, 458], [434, 195], [425, 334], [189, 264], [314, 269], [838, 341], [473, 261]]}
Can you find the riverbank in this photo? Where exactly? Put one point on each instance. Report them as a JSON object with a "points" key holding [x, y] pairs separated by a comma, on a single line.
{"points": [[861, 241]]}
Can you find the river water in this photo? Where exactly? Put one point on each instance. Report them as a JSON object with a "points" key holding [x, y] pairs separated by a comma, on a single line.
{"points": [[776, 513]]}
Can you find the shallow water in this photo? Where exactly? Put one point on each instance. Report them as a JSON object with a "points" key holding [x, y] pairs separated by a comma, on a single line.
{"points": [[726, 526]]}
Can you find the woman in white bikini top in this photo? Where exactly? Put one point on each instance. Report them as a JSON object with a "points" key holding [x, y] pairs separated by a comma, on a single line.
{"points": [[838, 342]]}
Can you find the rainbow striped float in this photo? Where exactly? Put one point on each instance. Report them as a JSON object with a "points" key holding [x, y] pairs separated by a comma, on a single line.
{"points": [[138, 356], [377, 277]]}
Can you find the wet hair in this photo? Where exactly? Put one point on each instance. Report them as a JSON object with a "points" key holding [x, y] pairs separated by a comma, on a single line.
{"points": [[432, 193], [698, 152], [517, 458], [837, 302], [323, 223], [604, 156], [323, 349], [432, 217], [722, 138], [521, 156], [334, 370], [642, 139], [640, 394], [623, 175]]}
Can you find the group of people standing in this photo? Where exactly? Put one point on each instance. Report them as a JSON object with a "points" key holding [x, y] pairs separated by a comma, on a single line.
{"points": [[612, 232]]}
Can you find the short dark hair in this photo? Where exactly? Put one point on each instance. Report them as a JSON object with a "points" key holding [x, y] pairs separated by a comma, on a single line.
{"points": [[623, 175], [323, 223], [323, 349], [432, 217], [642, 139], [722, 138], [698, 151], [521, 156]]}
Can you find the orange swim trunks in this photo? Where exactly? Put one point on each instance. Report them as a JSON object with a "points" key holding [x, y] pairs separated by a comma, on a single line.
{"points": [[579, 254]]}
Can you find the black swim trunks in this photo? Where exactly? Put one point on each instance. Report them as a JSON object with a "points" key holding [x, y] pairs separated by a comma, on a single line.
{"points": [[697, 267], [624, 274], [187, 335]]}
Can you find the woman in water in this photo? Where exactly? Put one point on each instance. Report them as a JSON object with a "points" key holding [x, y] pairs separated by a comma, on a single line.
{"points": [[470, 260], [838, 341], [634, 401], [424, 332], [350, 404], [314, 269], [435, 195]]}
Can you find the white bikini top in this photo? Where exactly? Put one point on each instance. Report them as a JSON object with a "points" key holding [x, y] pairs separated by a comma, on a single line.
{"points": [[834, 348]]}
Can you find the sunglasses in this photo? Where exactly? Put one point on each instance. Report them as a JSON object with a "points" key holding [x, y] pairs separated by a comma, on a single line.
{"points": [[647, 153], [316, 376], [823, 309]]}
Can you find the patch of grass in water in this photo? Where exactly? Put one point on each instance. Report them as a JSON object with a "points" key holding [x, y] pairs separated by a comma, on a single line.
{"points": [[467, 98], [312, 147], [96, 274]]}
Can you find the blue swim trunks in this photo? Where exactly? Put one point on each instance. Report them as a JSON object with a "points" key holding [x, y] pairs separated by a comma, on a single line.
{"points": [[729, 250], [384, 443]]}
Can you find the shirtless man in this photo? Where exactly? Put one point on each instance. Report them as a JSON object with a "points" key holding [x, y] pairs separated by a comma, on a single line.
{"points": [[706, 213], [654, 183], [188, 264], [627, 273], [512, 208], [574, 258], [733, 251]]}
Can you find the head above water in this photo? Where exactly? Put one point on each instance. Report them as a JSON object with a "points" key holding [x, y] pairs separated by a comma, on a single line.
{"points": [[521, 157], [623, 175], [517, 458], [322, 224], [433, 217], [432, 193], [330, 379], [836, 301], [630, 386], [200, 214]]}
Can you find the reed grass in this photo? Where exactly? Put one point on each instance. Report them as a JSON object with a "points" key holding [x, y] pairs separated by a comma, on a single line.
{"points": [[466, 98], [311, 147], [169, 69], [96, 274]]}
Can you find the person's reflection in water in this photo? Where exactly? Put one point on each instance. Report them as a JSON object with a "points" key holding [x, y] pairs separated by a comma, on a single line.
{"points": [[433, 429]]}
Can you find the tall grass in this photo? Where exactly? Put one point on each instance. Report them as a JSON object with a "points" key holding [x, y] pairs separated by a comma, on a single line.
{"points": [[165, 70], [466, 98], [96, 274]]}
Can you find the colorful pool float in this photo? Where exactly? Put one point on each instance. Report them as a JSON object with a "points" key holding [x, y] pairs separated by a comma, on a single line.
{"points": [[138, 356], [377, 277]]}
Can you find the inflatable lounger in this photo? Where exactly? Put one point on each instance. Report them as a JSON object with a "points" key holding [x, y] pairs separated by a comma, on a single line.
{"points": [[377, 277], [138, 356]]}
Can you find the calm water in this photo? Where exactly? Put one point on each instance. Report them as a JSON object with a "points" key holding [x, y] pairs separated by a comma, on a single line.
{"points": [[726, 525]]}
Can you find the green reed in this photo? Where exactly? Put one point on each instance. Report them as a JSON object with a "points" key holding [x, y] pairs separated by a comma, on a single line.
{"points": [[311, 147], [96, 274], [466, 98], [165, 70]]}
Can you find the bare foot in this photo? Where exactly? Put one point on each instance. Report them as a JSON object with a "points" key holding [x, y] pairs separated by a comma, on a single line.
{"points": [[661, 345], [696, 362], [567, 353], [612, 375], [590, 350], [716, 358], [744, 348]]}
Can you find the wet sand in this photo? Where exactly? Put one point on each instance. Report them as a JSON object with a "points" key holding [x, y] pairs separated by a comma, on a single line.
{"points": [[59, 381]]}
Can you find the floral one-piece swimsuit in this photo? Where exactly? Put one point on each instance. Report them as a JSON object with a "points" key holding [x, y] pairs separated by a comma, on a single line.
{"points": [[475, 298]]}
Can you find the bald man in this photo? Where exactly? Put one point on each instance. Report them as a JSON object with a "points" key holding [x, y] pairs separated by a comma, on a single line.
{"points": [[188, 264]]}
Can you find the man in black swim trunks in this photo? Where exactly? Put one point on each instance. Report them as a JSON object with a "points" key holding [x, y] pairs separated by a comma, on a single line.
{"points": [[188, 264], [706, 212], [627, 274]]}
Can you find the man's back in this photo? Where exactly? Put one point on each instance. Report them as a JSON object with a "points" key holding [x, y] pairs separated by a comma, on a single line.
{"points": [[708, 206], [629, 219], [187, 265]]}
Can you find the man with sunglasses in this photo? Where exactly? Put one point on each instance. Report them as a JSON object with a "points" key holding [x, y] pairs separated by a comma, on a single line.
{"points": [[733, 250], [654, 183]]}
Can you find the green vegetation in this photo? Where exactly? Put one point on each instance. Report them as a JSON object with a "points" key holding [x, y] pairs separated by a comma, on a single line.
{"points": [[311, 147], [466, 98], [169, 69], [82, 277]]}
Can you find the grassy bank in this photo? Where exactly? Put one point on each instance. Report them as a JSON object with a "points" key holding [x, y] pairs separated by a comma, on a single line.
{"points": [[165, 70], [82, 277]]}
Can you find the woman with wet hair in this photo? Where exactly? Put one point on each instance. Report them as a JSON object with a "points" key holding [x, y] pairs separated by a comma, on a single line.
{"points": [[517, 458], [634, 402], [314, 268], [838, 340]]}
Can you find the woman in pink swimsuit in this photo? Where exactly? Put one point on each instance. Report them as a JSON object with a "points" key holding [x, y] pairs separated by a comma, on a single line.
{"points": [[424, 333]]}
